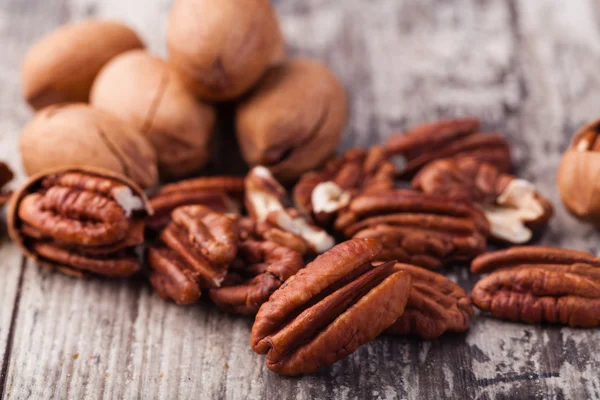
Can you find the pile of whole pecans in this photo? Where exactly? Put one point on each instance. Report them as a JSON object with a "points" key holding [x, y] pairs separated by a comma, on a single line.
{"points": [[111, 118]]}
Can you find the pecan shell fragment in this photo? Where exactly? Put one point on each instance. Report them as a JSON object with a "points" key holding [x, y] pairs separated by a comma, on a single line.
{"points": [[6, 175], [329, 309]]}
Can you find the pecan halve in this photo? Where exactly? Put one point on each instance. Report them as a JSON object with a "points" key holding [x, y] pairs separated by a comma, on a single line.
{"points": [[421, 144], [417, 228], [535, 284], [513, 206], [6, 176], [194, 251], [80, 220], [220, 193], [266, 200], [436, 305], [323, 193], [261, 268], [329, 309]]}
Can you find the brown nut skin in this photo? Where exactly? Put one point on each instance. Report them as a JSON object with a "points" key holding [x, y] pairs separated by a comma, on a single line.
{"points": [[146, 92], [329, 309], [293, 120], [76, 246], [61, 66], [6, 175], [534, 284], [217, 61], [79, 135]]}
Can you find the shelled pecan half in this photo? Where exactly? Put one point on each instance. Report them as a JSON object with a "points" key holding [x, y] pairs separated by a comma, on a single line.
{"points": [[80, 220], [436, 305], [323, 193], [513, 206], [6, 175], [194, 251], [535, 284], [421, 144], [219, 193], [329, 309], [416, 228], [266, 201], [260, 269]]}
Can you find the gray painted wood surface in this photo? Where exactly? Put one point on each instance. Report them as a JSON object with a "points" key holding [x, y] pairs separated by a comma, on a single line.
{"points": [[527, 68]]}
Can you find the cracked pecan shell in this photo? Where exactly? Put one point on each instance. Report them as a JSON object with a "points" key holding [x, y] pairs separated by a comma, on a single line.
{"points": [[80, 220], [323, 193], [220, 193], [416, 228], [436, 305], [194, 251], [329, 309], [261, 268], [421, 144], [535, 284], [514, 208], [6, 175]]}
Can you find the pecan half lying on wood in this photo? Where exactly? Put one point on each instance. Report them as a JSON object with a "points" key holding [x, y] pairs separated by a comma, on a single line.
{"points": [[513, 206], [323, 193], [329, 309], [194, 251], [266, 201], [416, 228], [220, 193], [436, 305], [535, 284], [6, 175], [80, 220], [421, 144]]}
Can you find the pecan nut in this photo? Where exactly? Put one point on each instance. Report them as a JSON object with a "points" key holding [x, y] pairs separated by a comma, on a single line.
{"points": [[6, 175], [220, 193], [421, 144], [323, 193], [261, 268], [266, 200], [417, 228], [513, 207], [80, 220], [535, 284], [436, 305], [193, 252], [329, 309]]}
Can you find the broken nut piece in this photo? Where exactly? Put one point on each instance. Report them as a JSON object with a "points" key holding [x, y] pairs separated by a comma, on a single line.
{"points": [[6, 175]]}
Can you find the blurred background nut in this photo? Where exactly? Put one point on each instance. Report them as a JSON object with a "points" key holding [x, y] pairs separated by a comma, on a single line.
{"points": [[224, 47], [61, 67], [578, 174], [79, 135], [293, 120], [146, 92]]}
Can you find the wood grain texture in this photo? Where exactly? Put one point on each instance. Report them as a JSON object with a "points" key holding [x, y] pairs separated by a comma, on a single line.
{"points": [[527, 68]]}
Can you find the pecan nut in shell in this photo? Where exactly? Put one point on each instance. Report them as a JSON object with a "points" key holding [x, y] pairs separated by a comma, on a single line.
{"points": [[535, 284], [6, 175], [80, 220], [329, 309]]}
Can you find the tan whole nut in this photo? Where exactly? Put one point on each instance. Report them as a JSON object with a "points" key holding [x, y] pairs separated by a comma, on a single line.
{"points": [[146, 92], [61, 66], [577, 174], [293, 120], [223, 48], [79, 135]]}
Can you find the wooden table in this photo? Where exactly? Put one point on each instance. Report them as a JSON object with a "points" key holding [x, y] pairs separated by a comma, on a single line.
{"points": [[528, 68]]}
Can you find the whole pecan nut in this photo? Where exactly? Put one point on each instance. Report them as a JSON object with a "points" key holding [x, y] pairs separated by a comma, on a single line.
{"points": [[6, 175], [194, 251], [436, 305], [421, 144], [220, 193], [416, 228], [323, 193], [266, 200], [513, 206], [80, 220], [329, 309], [535, 284], [261, 268]]}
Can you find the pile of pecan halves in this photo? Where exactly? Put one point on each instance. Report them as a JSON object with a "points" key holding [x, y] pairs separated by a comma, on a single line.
{"points": [[243, 243]]}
